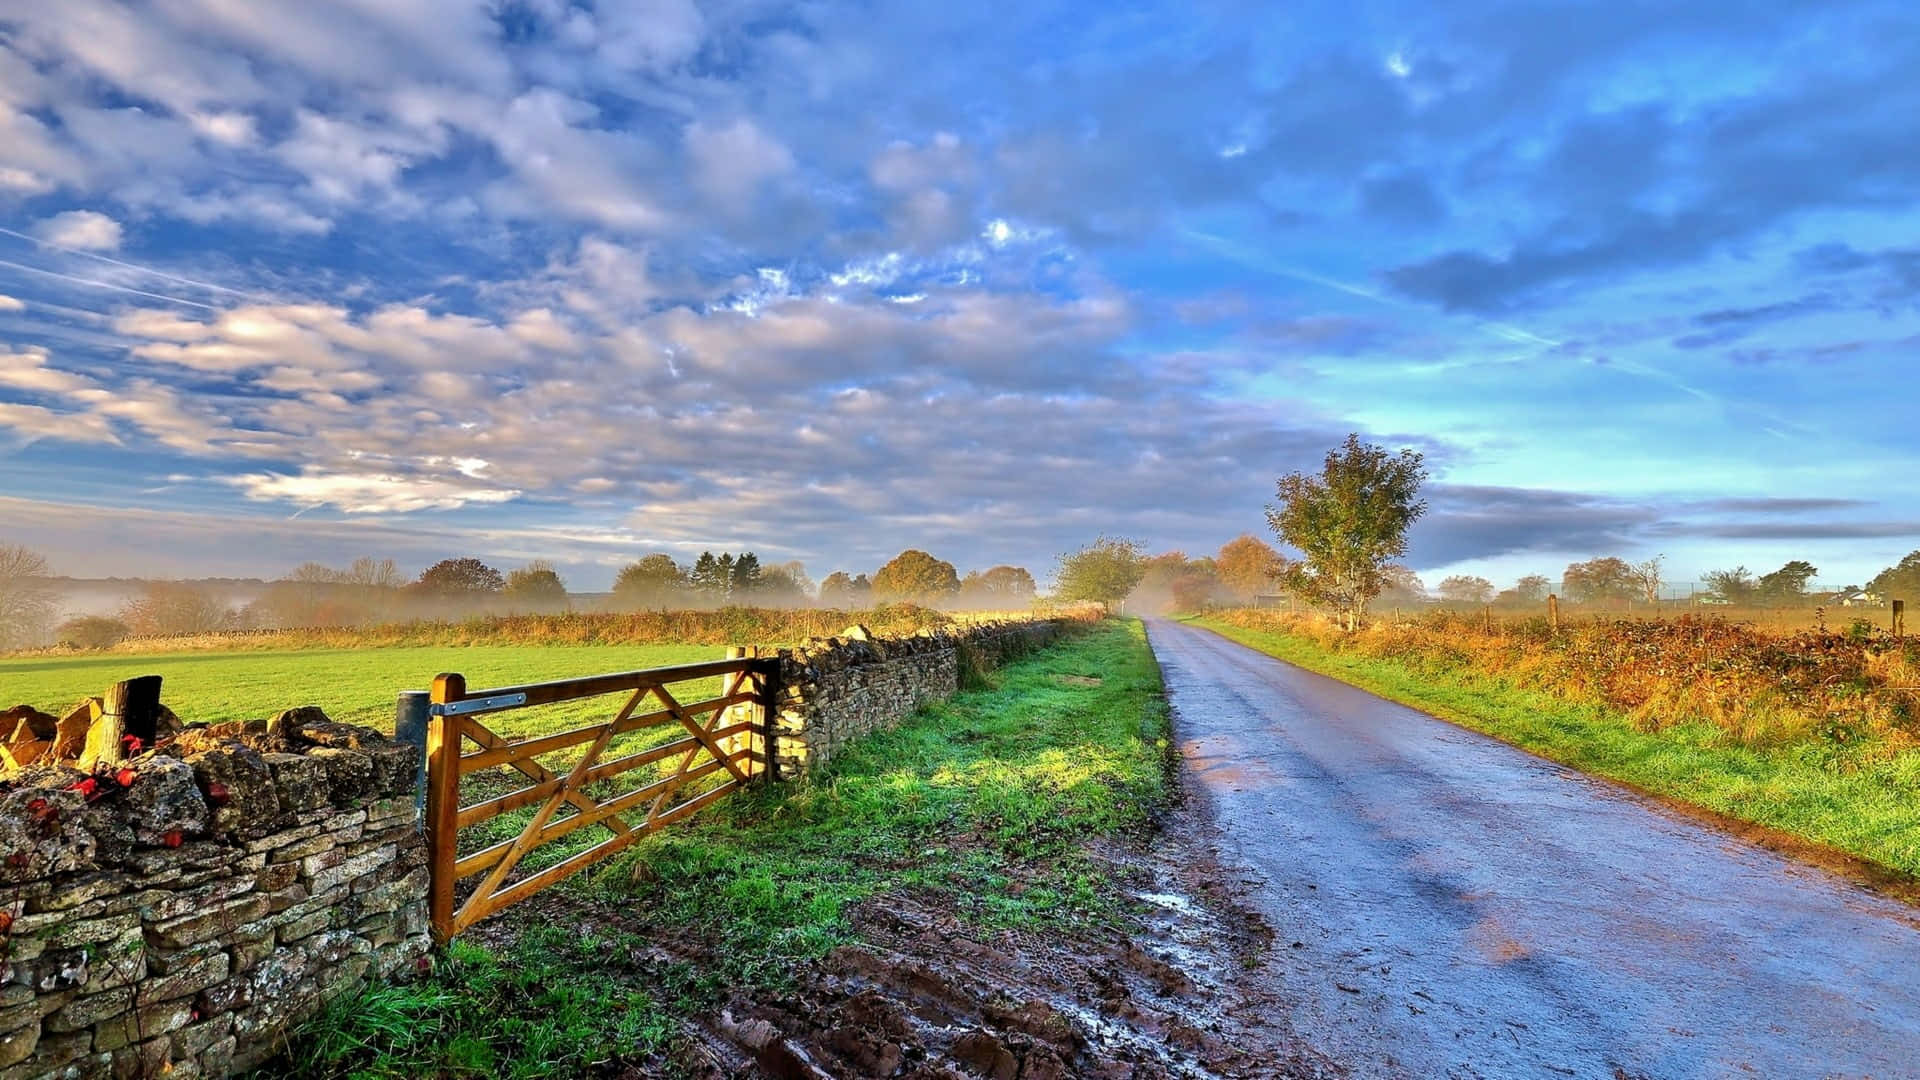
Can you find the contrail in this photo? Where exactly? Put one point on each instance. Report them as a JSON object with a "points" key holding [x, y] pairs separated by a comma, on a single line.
{"points": [[107, 285], [1220, 245], [133, 266]]}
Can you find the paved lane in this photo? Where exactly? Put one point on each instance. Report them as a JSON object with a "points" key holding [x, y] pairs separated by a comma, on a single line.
{"points": [[1447, 905]]}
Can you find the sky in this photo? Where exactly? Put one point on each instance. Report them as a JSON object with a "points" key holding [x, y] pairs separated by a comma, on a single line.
{"points": [[554, 279]]}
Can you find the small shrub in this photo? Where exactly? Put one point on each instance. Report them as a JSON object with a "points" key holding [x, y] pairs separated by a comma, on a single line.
{"points": [[92, 632]]}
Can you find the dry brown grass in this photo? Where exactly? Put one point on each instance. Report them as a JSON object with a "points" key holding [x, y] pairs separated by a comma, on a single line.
{"points": [[1763, 686], [725, 626]]}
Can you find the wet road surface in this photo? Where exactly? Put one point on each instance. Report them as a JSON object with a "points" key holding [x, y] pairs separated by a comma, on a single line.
{"points": [[1447, 905]]}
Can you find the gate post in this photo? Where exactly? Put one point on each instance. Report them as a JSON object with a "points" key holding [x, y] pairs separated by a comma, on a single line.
{"points": [[767, 676], [412, 714], [443, 805]]}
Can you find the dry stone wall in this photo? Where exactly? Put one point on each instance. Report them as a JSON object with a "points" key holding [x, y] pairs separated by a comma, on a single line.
{"points": [[837, 689], [175, 913]]}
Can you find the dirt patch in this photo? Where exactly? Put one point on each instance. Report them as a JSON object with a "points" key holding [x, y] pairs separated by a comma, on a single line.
{"points": [[1078, 680], [1175, 990], [1180, 988]]}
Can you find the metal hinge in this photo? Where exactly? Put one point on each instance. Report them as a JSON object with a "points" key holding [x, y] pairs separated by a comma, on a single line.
{"points": [[479, 705]]}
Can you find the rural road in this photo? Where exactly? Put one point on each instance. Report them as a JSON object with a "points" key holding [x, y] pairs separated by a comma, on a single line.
{"points": [[1446, 905]]}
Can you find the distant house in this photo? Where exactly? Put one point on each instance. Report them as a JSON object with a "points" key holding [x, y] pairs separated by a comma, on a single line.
{"points": [[1860, 598]]}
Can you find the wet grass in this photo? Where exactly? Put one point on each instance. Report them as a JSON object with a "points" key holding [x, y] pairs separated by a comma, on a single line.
{"points": [[1866, 805], [982, 803]]}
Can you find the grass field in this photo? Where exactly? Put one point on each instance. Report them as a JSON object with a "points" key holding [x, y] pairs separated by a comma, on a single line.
{"points": [[352, 685], [982, 802], [1840, 787]]}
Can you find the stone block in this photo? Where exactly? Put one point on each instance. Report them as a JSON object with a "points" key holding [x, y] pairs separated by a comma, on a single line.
{"points": [[163, 800], [304, 926], [312, 847], [44, 832], [201, 898], [85, 1012], [274, 841], [149, 1022], [363, 863], [350, 775], [193, 1039], [193, 929], [300, 781], [239, 788], [30, 1012], [187, 981], [19, 1044], [152, 1058]]}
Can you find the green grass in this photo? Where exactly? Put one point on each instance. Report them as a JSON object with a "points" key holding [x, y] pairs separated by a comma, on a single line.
{"points": [[537, 1011], [981, 804], [352, 685], [1869, 809]]}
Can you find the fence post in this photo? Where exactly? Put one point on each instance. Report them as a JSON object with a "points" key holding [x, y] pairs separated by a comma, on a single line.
{"points": [[1899, 618], [768, 677], [443, 804], [1553, 612], [411, 714], [129, 709]]}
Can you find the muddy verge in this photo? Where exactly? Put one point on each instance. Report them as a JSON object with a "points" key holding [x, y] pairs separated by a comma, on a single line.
{"points": [[1182, 987], [1175, 994]]}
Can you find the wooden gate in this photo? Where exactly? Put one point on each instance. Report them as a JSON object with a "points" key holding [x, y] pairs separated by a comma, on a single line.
{"points": [[734, 739]]}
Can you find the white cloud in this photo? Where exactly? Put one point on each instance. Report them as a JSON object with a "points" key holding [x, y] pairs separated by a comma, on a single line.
{"points": [[86, 230], [730, 163], [365, 493], [26, 369], [36, 422], [232, 128], [10, 303]]}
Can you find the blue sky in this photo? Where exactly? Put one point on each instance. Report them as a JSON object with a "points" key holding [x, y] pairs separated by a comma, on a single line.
{"points": [[553, 279]]}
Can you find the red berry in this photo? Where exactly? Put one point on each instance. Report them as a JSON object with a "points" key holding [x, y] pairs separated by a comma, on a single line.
{"points": [[126, 777], [172, 838], [217, 793]]}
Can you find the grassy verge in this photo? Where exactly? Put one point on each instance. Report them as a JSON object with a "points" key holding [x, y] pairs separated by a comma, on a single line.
{"points": [[1867, 806], [981, 803]]}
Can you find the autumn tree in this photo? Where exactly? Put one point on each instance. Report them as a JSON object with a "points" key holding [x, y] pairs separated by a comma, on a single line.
{"points": [[1170, 581], [27, 598], [655, 581], [1401, 587], [1466, 589], [796, 572], [92, 632], [1530, 589], [783, 586], [175, 607], [1349, 520], [1247, 566], [1104, 571], [1646, 577], [536, 583], [1735, 586], [841, 591], [1599, 581], [1001, 586], [463, 578], [913, 576], [1899, 581], [1787, 585]]}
